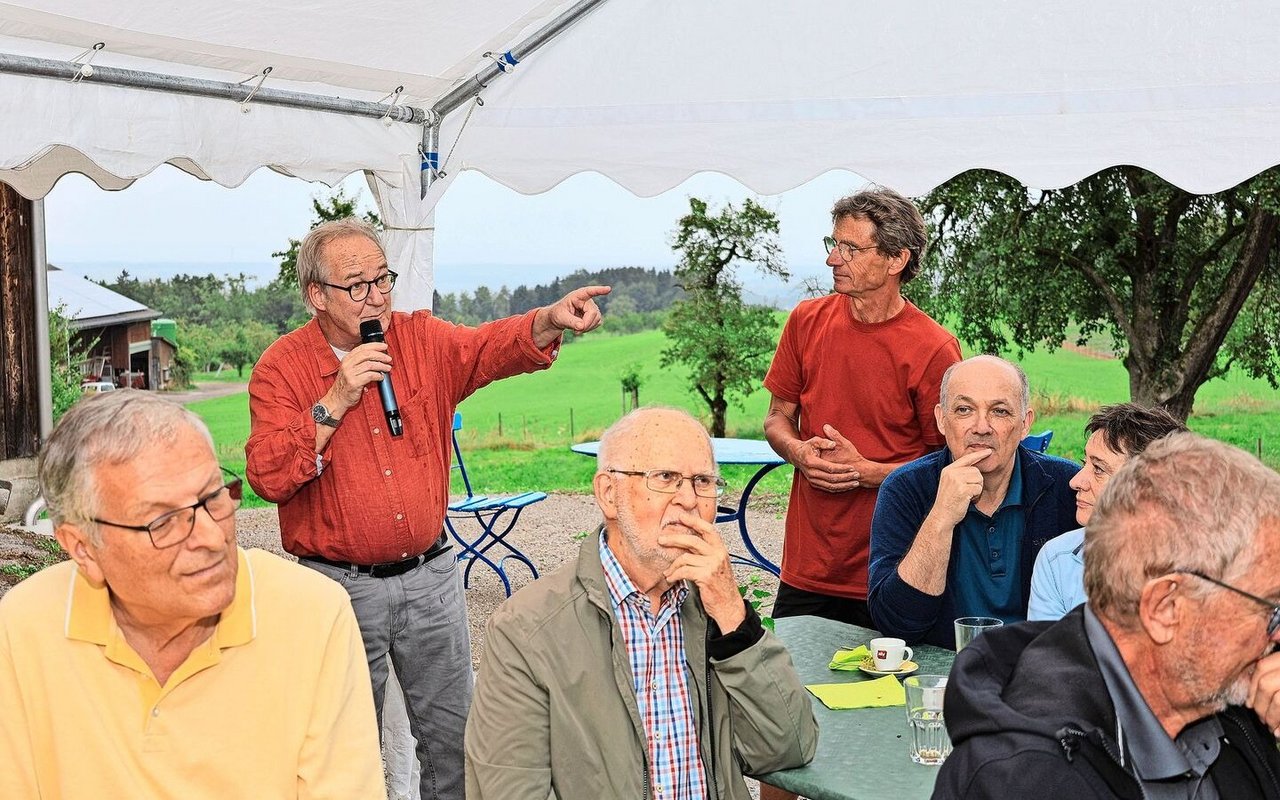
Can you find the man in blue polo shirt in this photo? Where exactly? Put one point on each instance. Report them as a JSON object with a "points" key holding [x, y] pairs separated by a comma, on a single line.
{"points": [[956, 532]]}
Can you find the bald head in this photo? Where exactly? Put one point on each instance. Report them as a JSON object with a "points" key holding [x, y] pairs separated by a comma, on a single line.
{"points": [[988, 369], [634, 439]]}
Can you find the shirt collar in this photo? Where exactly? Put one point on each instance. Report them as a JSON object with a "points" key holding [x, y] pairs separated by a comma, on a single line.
{"points": [[620, 586], [325, 357], [1155, 756], [90, 619], [1013, 495]]}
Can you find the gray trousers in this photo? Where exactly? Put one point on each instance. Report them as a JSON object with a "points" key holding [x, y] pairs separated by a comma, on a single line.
{"points": [[419, 620]]}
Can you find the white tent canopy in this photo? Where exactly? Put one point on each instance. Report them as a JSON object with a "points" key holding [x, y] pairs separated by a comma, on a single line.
{"points": [[649, 92]]}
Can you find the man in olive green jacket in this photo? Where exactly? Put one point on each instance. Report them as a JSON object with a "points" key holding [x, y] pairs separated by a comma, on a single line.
{"points": [[557, 706]]}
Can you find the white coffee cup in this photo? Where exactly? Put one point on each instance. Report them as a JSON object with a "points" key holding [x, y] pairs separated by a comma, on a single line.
{"points": [[888, 654]]}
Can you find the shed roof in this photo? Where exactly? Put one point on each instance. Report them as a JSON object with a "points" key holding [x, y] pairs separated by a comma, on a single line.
{"points": [[90, 305]]}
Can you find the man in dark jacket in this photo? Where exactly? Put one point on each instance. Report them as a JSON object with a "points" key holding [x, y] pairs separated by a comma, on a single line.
{"points": [[1141, 692], [956, 533]]}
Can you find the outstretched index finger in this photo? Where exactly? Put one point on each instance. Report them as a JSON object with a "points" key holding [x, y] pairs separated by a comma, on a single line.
{"points": [[585, 293]]}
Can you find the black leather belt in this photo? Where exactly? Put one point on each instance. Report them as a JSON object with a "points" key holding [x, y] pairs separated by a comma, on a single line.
{"points": [[394, 568]]}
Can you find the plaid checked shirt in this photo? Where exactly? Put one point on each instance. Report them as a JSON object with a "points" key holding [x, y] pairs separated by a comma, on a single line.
{"points": [[655, 647]]}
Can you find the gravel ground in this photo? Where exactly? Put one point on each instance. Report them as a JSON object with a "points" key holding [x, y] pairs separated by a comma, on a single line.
{"points": [[548, 532]]}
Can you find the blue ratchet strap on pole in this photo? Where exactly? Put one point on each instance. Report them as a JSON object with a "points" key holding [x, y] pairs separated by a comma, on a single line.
{"points": [[429, 153], [431, 161]]}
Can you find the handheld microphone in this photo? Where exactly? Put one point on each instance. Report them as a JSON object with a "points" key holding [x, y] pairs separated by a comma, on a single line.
{"points": [[371, 331]]}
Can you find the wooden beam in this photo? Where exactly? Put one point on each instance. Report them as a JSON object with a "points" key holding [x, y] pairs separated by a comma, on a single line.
{"points": [[19, 392]]}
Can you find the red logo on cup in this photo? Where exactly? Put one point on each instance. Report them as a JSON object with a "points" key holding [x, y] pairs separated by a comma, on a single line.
{"points": [[882, 654]]}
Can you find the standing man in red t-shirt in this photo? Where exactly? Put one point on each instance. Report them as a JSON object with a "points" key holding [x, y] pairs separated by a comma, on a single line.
{"points": [[854, 381], [364, 503]]}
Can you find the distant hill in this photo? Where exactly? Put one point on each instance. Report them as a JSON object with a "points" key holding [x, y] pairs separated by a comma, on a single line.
{"points": [[636, 290]]}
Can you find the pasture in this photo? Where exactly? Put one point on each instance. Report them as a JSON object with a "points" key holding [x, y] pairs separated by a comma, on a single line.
{"points": [[516, 433]]}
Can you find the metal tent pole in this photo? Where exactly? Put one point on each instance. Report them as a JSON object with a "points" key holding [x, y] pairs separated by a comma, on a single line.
{"points": [[39, 276], [135, 79], [472, 86]]}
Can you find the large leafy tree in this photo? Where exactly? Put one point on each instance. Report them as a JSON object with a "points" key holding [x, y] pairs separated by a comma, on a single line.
{"points": [[725, 343], [1187, 285]]}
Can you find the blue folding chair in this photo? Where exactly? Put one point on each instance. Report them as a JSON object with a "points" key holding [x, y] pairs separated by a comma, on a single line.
{"points": [[1038, 442], [496, 516]]}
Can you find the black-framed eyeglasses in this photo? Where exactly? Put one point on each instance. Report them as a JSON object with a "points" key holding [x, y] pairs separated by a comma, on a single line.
{"points": [[175, 527], [360, 289], [1273, 624], [846, 250], [668, 481]]}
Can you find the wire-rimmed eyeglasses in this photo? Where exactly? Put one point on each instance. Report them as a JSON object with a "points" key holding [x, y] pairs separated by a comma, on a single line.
{"points": [[1273, 623], [846, 250], [175, 527], [360, 289], [667, 481]]}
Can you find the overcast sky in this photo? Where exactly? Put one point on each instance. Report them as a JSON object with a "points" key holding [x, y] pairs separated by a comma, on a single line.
{"points": [[588, 220]]}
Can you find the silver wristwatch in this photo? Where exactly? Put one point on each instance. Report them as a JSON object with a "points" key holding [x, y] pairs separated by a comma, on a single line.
{"points": [[322, 416]]}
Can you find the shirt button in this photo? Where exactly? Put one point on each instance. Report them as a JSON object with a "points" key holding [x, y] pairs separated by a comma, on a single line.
{"points": [[155, 712], [387, 472], [658, 736], [375, 431], [992, 529], [555, 353], [404, 555], [399, 516], [995, 553]]}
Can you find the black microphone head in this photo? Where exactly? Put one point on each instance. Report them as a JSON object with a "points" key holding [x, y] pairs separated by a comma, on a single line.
{"points": [[371, 331]]}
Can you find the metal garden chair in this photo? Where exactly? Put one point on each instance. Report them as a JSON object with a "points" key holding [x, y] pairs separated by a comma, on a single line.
{"points": [[495, 516]]}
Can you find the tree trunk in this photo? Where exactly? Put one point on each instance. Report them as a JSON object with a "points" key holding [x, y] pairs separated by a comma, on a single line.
{"points": [[19, 391], [719, 409], [1176, 399], [1169, 375]]}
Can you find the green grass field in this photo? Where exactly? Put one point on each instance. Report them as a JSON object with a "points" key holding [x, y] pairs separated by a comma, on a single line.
{"points": [[516, 433]]}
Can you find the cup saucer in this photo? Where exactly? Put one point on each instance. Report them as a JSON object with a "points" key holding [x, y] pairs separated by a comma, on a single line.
{"points": [[868, 665]]}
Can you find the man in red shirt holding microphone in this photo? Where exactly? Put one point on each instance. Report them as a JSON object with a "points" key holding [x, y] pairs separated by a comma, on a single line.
{"points": [[366, 506]]}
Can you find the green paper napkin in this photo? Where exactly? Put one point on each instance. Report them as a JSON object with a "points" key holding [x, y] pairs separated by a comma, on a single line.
{"points": [[848, 660], [878, 693]]}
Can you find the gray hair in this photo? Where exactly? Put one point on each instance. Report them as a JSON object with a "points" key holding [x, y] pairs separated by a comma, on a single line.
{"points": [[898, 224], [620, 431], [311, 264], [1186, 502], [103, 430], [1024, 388]]}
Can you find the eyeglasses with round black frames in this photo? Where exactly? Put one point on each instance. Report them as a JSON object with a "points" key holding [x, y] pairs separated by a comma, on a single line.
{"points": [[668, 481], [1273, 624], [175, 527], [846, 250], [360, 289]]}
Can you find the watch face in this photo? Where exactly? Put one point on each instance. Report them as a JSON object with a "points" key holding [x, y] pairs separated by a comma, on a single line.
{"points": [[319, 413]]}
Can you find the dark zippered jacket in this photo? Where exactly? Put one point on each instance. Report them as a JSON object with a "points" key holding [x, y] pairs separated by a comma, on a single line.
{"points": [[1030, 717]]}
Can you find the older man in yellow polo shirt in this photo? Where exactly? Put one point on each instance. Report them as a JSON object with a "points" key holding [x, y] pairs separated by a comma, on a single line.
{"points": [[162, 660]]}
